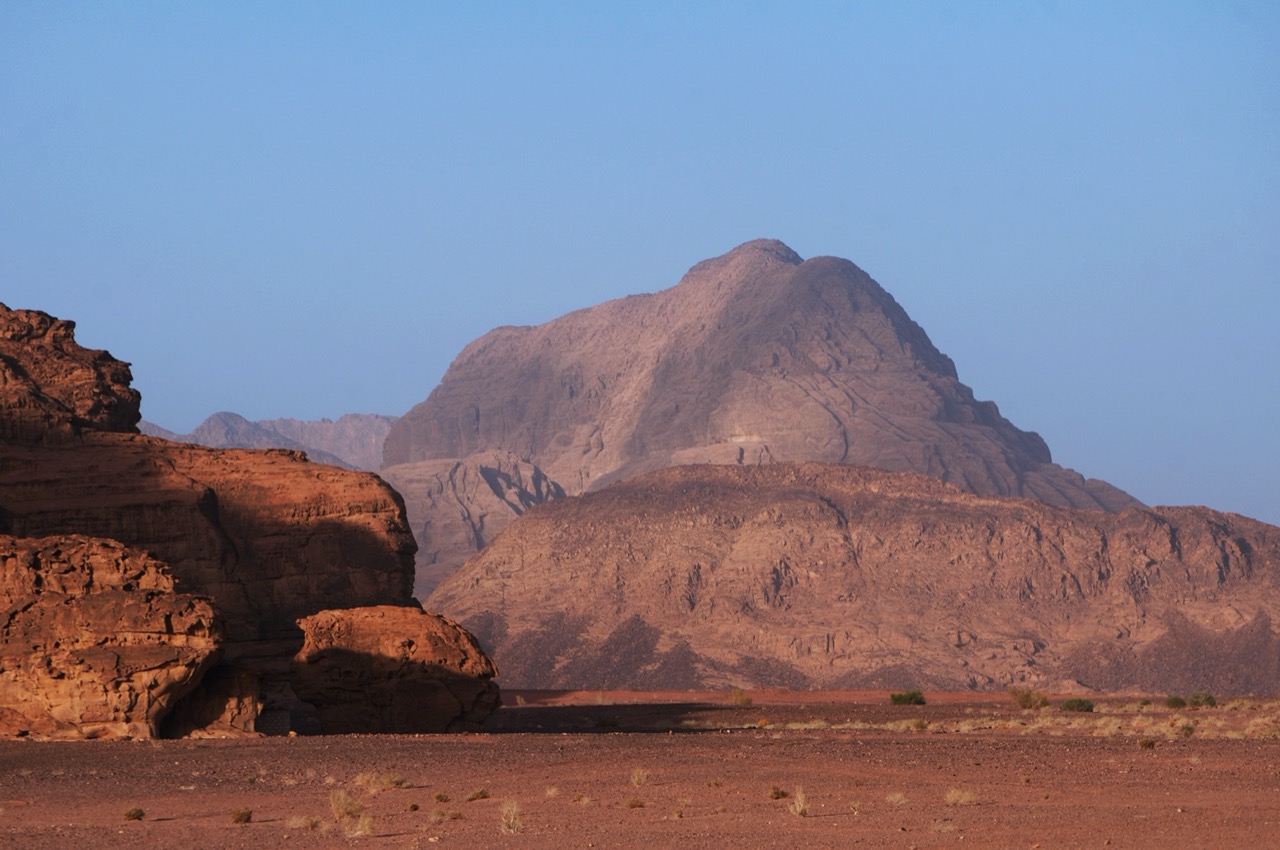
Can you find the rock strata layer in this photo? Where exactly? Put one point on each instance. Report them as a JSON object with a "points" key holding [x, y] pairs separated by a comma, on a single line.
{"points": [[94, 641], [834, 576], [754, 357]]}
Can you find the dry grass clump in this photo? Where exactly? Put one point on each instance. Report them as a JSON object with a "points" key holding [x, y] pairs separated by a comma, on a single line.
{"points": [[639, 776], [1027, 698], [349, 813], [907, 698], [441, 797], [134, 814], [510, 820], [242, 816], [897, 798], [779, 793], [799, 803], [375, 783], [478, 794], [635, 803], [959, 797]]}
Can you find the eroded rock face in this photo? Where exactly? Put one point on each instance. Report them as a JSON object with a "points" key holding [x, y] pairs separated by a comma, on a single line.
{"points": [[94, 640], [832, 576], [754, 357], [393, 669], [455, 507], [267, 535], [51, 387]]}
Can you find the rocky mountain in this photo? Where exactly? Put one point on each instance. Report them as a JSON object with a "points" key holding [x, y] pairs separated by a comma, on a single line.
{"points": [[836, 576], [266, 537], [754, 357], [353, 441]]}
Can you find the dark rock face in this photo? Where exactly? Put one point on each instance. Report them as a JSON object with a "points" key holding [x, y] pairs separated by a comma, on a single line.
{"points": [[754, 357], [834, 576], [51, 388], [267, 535], [393, 669], [94, 641]]}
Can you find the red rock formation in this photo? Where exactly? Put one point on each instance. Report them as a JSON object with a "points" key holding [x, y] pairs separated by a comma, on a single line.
{"points": [[754, 357], [50, 387], [268, 535], [94, 642], [393, 669], [825, 575]]}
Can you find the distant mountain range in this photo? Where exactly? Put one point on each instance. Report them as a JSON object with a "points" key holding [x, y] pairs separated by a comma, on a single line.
{"points": [[354, 440]]}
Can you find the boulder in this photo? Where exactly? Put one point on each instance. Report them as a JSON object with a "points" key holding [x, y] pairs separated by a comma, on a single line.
{"points": [[393, 669]]}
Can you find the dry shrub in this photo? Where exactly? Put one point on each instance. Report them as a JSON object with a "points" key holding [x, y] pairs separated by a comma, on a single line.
{"points": [[1027, 698], [639, 776], [960, 797], [799, 803], [510, 820]]}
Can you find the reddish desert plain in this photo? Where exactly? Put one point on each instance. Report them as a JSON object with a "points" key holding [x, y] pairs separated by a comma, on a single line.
{"points": [[675, 769]]}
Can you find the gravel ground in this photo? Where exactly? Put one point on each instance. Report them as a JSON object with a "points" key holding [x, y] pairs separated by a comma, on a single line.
{"points": [[680, 770]]}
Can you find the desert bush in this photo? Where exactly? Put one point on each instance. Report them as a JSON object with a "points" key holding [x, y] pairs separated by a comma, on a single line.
{"points": [[377, 782], [134, 814], [779, 793], [739, 697], [799, 803], [510, 820], [1147, 743], [959, 797], [242, 816], [1202, 699], [907, 698], [639, 776], [1076, 704], [1027, 698], [1175, 701], [478, 794], [635, 803], [441, 797]]}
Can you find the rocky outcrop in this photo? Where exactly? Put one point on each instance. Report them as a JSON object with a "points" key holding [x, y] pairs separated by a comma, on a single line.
{"points": [[267, 535], [353, 441], [393, 669], [455, 507], [94, 640], [834, 576], [51, 388], [753, 357]]}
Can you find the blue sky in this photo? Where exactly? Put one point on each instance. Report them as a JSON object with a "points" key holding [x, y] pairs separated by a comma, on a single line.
{"points": [[306, 209]]}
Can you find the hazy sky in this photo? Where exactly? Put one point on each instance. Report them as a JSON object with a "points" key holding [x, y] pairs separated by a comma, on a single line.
{"points": [[307, 209]]}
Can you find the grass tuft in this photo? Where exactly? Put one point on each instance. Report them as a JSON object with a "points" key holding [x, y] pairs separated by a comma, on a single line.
{"points": [[242, 816], [1027, 698], [478, 794], [134, 814], [907, 698], [799, 803], [510, 820]]}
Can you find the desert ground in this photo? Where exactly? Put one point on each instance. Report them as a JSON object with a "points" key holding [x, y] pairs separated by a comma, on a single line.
{"points": [[727, 769]]}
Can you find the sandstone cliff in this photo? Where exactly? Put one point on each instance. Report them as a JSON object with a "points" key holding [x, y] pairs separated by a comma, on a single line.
{"points": [[753, 357], [825, 575], [267, 535], [94, 641]]}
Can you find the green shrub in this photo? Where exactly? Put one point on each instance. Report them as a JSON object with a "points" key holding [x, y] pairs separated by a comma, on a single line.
{"points": [[1203, 699], [1175, 701], [1076, 704], [907, 698]]}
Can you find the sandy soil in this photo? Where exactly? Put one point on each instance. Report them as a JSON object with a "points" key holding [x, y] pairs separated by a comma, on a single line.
{"points": [[682, 770]]}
